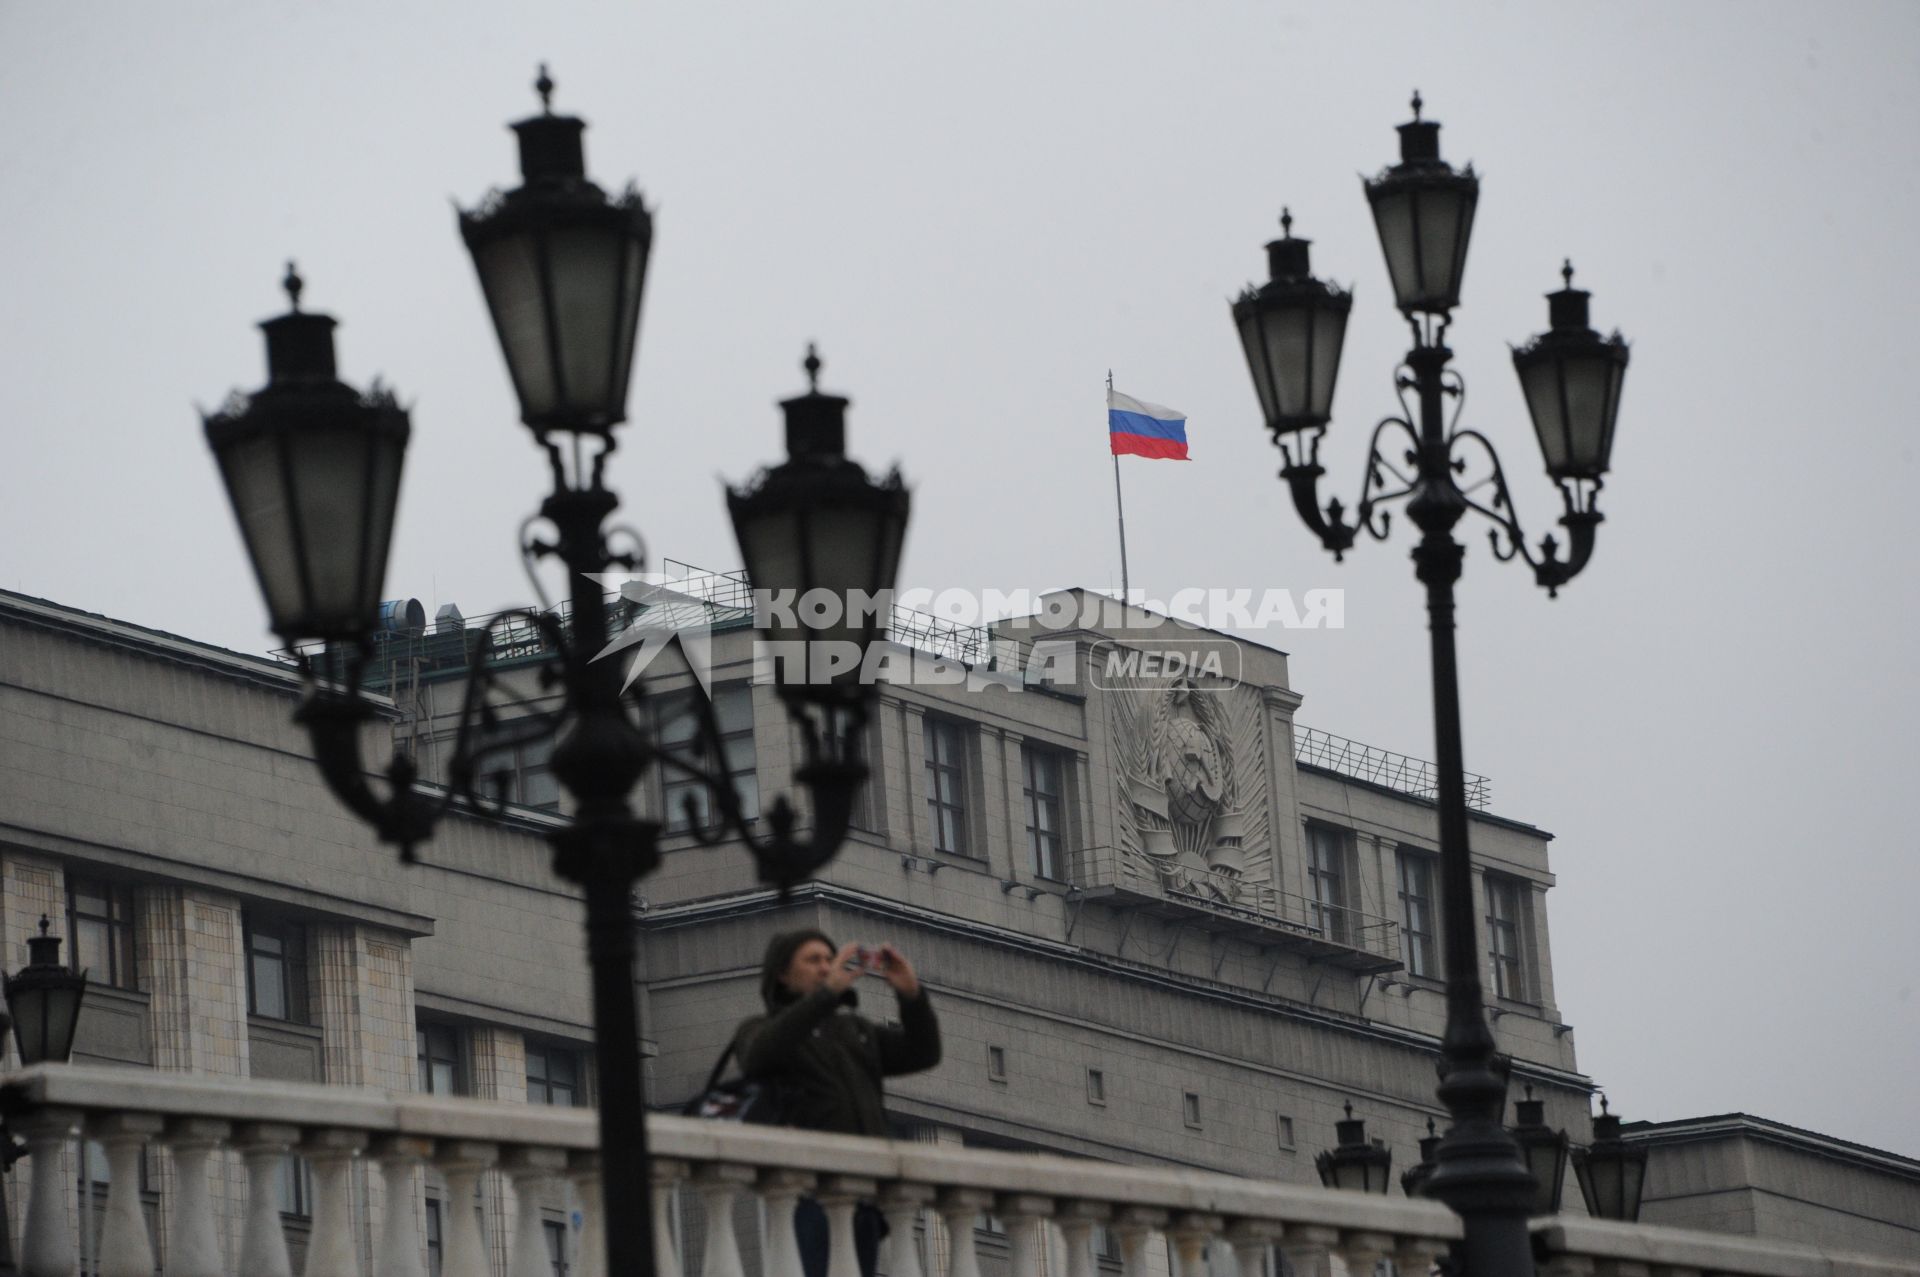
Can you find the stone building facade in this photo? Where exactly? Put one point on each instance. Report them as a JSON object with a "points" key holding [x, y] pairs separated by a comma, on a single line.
{"points": [[1163, 922]]}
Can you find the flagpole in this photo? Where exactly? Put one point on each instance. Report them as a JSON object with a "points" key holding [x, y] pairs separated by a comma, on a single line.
{"points": [[1120, 509]]}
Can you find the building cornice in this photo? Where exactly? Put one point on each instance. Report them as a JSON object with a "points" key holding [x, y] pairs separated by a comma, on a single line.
{"points": [[1723, 1126], [158, 644]]}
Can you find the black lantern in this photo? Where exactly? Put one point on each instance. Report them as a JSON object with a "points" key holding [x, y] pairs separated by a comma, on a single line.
{"points": [[1612, 1173], [1572, 378], [1354, 1163], [1414, 1181], [44, 999], [562, 266], [1292, 328], [821, 542], [312, 468], [1423, 210], [1545, 1150]]}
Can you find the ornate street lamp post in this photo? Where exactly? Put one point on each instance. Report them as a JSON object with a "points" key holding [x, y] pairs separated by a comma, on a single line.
{"points": [[1611, 1171], [1545, 1150], [313, 469], [1354, 1163], [43, 1008], [1292, 329]]}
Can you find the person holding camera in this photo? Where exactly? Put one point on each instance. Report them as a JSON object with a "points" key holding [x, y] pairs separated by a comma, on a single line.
{"points": [[830, 1062]]}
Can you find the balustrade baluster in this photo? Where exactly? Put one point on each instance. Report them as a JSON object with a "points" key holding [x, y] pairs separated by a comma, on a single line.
{"points": [[400, 1156], [1077, 1220], [1025, 1214], [1558, 1265], [1417, 1256], [47, 1249], [839, 1195], [667, 1175], [583, 1171], [464, 1252], [263, 1241], [330, 1248], [1308, 1247], [126, 1247], [1363, 1251], [718, 1184], [193, 1239], [1191, 1232], [959, 1208], [1135, 1226], [1250, 1239], [781, 1190], [901, 1204], [531, 1169]]}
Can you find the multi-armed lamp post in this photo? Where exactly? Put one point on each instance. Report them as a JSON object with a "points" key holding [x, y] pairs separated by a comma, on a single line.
{"points": [[313, 469], [1292, 329]]}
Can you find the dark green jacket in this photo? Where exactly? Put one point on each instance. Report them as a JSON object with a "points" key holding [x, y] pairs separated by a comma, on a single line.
{"points": [[831, 1061]]}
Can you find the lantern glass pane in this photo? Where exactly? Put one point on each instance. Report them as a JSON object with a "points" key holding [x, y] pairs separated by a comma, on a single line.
{"points": [[1329, 334], [63, 1014], [844, 541], [1252, 323], [385, 453], [1540, 382], [587, 275], [510, 276], [1633, 1174], [1606, 1175], [1393, 217], [1593, 384], [331, 469], [633, 282], [254, 477], [770, 547], [1289, 334], [29, 1008], [1445, 217]]}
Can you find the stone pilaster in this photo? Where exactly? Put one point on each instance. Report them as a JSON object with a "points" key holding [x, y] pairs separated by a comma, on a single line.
{"points": [[361, 989], [190, 951]]}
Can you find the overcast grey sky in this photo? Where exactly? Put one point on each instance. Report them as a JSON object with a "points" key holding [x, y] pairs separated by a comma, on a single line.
{"points": [[977, 210]]}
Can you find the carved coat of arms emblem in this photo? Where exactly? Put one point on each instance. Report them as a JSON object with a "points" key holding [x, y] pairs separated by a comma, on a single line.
{"points": [[1191, 764]]}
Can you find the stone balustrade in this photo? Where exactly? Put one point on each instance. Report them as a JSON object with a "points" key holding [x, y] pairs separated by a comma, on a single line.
{"points": [[222, 1145], [1576, 1246], [931, 1195]]}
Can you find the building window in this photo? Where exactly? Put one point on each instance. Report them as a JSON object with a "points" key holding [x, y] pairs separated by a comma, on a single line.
{"points": [[442, 1059], [556, 1246], [677, 721], [1416, 913], [1505, 933], [1096, 1087], [1327, 880], [534, 782], [276, 969], [553, 1076], [947, 785], [1190, 1109], [1046, 808], [997, 1063], [1283, 1127], [100, 920], [436, 1247]]}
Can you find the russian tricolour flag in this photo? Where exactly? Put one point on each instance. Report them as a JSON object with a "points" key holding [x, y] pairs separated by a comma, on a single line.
{"points": [[1136, 428]]}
